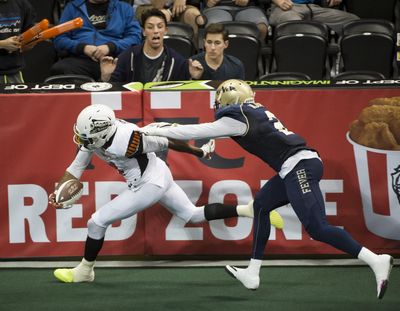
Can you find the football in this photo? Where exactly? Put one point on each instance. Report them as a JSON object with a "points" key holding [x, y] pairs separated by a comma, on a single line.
{"points": [[69, 192]]}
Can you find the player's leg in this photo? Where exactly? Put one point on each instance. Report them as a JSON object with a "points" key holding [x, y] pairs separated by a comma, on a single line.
{"points": [[271, 196], [126, 204], [305, 195], [177, 202], [247, 210]]}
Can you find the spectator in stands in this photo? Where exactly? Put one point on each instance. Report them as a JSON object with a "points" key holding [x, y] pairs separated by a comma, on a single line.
{"points": [[174, 10], [15, 17], [218, 11], [289, 10], [151, 61], [109, 28], [214, 64]]}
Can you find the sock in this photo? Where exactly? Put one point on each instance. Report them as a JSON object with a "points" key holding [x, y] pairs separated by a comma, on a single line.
{"points": [[92, 248], [219, 211], [86, 263], [254, 266], [84, 272], [369, 258], [245, 210]]}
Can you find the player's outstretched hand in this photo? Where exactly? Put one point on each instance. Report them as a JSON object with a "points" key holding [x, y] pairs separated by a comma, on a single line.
{"points": [[52, 200], [208, 149]]}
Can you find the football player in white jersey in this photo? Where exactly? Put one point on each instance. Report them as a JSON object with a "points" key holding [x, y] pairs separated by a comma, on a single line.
{"points": [[123, 146], [298, 172]]}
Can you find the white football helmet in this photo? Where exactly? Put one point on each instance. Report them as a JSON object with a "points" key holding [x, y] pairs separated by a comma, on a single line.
{"points": [[94, 126], [233, 92]]}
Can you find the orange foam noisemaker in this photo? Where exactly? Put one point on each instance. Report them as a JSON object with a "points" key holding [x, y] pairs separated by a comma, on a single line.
{"points": [[56, 30], [32, 32]]}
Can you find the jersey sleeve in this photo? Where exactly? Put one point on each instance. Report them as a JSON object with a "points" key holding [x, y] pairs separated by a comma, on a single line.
{"points": [[79, 164], [138, 144], [154, 143], [221, 128], [135, 145]]}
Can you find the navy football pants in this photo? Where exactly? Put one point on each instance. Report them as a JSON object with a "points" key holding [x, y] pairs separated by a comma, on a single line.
{"points": [[301, 189]]}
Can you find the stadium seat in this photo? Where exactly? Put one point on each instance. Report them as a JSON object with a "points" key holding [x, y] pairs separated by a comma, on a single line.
{"points": [[68, 78], [301, 46], [359, 75], [180, 38], [38, 62], [374, 9], [245, 45], [284, 76], [368, 44]]}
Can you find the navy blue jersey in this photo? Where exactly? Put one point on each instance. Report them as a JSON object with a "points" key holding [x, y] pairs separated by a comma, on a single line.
{"points": [[266, 137]]}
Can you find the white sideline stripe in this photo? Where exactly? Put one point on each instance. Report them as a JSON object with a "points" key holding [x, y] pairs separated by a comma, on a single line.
{"points": [[185, 263]]}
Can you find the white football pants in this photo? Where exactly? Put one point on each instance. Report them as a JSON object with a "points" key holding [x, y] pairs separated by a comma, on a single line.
{"points": [[131, 202]]}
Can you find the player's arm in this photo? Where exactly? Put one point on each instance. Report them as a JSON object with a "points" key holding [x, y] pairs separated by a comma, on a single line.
{"points": [[74, 171], [140, 143], [182, 146], [224, 127]]}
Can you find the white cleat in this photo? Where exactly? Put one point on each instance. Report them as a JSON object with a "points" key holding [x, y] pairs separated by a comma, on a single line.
{"points": [[244, 276], [75, 275], [382, 274]]}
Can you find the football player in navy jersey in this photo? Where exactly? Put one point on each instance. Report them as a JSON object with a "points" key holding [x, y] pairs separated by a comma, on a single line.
{"points": [[299, 170]]}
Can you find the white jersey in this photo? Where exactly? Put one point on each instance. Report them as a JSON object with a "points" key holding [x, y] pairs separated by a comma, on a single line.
{"points": [[130, 152]]}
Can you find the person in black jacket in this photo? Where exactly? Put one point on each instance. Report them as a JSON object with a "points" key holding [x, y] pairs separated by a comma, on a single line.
{"points": [[151, 61], [15, 17]]}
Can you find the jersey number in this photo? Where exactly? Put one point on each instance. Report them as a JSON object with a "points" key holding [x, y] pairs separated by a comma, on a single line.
{"points": [[271, 117], [277, 124]]}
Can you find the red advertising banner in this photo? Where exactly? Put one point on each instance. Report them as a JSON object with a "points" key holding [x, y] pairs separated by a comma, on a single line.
{"points": [[359, 184], [322, 116], [36, 135]]}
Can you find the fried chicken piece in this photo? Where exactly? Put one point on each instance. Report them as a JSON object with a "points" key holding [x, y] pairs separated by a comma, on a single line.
{"points": [[374, 134], [378, 113], [390, 101], [379, 124]]}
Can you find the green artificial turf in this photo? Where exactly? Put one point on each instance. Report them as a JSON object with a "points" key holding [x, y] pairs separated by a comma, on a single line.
{"points": [[282, 288]]}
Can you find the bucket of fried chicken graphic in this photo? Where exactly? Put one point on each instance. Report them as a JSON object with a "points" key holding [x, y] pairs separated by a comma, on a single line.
{"points": [[375, 137]]}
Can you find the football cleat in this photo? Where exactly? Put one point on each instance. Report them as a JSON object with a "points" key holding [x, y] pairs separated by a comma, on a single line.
{"points": [[274, 217], [244, 276], [74, 275], [382, 274], [276, 220]]}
